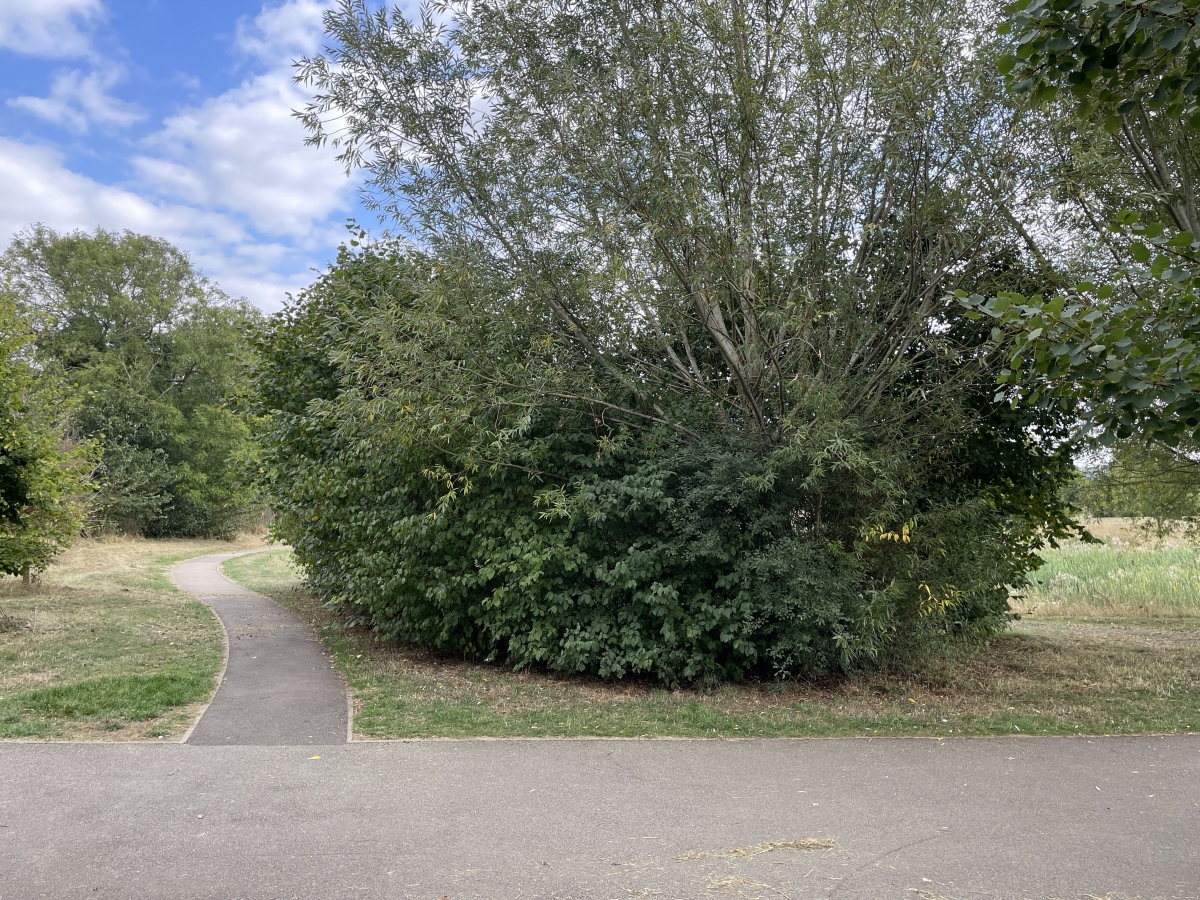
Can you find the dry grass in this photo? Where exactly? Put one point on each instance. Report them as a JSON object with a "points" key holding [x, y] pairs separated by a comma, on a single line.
{"points": [[738, 882], [1130, 577], [107, 648], [1040, 679], [759, 849]]}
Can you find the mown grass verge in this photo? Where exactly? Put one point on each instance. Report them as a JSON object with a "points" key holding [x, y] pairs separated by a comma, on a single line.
{"points": [[1040, 679], [106, 647]]}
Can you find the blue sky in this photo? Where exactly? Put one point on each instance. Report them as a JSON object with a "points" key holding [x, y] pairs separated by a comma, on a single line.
{"points": [[172, 118]]}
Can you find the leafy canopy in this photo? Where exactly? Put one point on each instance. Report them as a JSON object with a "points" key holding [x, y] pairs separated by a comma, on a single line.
{"points": [[671, 386], [152, 349], [43, 470], [1123, 345]]}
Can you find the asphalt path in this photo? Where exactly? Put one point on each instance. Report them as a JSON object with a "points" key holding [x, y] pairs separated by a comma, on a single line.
{"points": [[279, 687], [254, 806], [582, 819]]}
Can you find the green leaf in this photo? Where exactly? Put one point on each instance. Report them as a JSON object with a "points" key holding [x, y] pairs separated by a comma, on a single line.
{"points": [[1046, 93], [1174, 38]]}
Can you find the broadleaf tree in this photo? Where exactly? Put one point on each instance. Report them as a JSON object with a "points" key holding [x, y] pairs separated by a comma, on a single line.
{"points": [[152, 349], [661, 376], [44, 468], [1121, 346]]}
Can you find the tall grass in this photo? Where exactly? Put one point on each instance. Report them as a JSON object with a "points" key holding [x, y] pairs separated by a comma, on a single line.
{"points": [[1115, 579]]}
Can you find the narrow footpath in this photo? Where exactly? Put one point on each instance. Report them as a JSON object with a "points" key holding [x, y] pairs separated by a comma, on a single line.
{"points": [[279, 688]]}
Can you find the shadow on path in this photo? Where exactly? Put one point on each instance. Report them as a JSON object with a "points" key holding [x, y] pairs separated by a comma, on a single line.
{"points": [[279, 688]]}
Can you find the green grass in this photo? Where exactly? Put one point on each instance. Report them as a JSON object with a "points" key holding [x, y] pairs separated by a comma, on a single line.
{"points": [[1040, 679], [109, 701], [1113, 580], [106, 647]]}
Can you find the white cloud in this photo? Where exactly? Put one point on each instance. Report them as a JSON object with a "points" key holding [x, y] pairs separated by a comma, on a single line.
{"points": [[228, 180], [277, 35], [77, 100], [37, 187], [60, 29], [243, 151]]}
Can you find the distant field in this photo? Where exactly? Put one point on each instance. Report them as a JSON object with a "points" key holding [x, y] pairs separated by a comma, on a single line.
{"points": [[1041, 678], [1126, 577], [106, 647]]}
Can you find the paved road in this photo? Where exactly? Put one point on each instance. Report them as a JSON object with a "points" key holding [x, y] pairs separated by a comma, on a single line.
{"points": [[279, 687], [599, 820]]}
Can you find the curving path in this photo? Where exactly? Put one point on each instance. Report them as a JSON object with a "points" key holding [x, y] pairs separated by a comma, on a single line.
{"points": [[279, 688]]}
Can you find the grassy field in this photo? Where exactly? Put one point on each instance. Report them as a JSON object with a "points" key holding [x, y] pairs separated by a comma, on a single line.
{"points": [[106, 647], [1126, 578], [1043, 678]]}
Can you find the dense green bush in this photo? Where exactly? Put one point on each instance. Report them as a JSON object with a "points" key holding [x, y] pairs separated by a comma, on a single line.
{"points": [[587, 547], [673, 387]]}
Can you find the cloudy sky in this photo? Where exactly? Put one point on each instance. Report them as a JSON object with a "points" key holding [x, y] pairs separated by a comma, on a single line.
{"points": [[173, 119]]}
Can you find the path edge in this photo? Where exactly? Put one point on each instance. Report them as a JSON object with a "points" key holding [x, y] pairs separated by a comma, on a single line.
{"points": [[220, 676]]}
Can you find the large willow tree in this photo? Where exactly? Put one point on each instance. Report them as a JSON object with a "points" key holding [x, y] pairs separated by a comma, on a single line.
{"points": [[665, 381]]}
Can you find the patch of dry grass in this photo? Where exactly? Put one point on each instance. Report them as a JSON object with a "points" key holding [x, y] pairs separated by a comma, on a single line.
{"points": [[106, 646], [759, 849]]}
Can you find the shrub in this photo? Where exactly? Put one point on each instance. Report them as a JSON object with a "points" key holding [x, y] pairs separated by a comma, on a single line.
{"points": [[583, 547]]}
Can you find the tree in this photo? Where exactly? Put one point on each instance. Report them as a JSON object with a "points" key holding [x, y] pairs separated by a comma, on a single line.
{"points": [[672, 386], [1125, 349], [152, 349], [1155, 484], [43, 470]]}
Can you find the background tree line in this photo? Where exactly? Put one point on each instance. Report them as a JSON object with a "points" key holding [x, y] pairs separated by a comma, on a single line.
{"points": [[121, 355]]}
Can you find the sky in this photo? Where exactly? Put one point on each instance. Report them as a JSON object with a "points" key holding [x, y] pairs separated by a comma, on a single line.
{"points": [[172, 118]]}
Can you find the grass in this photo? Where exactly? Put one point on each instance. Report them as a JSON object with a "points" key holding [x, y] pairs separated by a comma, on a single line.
{"points": [[1041, 678], [1119, 579], [105, 647]]}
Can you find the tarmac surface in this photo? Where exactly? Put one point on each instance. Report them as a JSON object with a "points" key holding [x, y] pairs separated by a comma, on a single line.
{"points": [[600, 820], [279, 687], [224, 819]]}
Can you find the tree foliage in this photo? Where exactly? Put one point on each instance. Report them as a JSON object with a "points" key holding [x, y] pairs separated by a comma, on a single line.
{"points": [[1156, 484], [43, 469], [671, 385], [152, 349], [1124, 344], [1121, 58]]}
